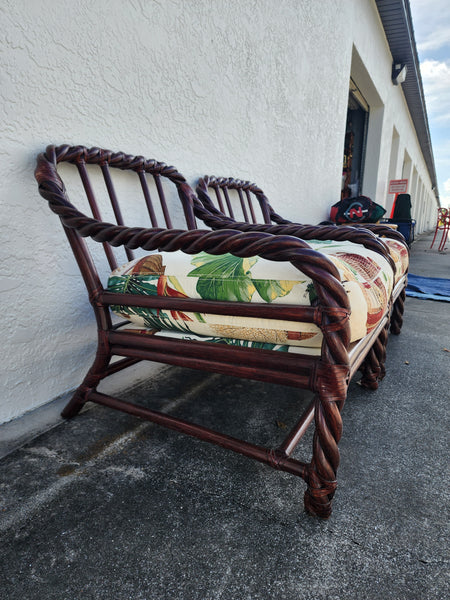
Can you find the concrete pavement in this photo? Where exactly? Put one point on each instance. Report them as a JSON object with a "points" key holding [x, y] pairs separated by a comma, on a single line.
{"points": [[109, 507]]}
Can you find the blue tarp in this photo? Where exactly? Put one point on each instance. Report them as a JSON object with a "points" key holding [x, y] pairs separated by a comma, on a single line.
{"points": [[428, 288]]}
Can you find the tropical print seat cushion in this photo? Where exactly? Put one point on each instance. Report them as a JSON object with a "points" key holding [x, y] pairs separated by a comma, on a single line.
{"points": [[365, 275], [400, 256]]}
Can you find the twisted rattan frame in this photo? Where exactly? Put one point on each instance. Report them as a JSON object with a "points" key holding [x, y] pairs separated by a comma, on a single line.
{"points": [[326, 375]]}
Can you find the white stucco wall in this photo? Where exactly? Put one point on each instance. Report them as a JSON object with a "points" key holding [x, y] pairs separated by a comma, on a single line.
{"points": [[371, 69], [253, 89]]}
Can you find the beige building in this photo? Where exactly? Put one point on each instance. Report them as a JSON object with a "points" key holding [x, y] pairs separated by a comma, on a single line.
{"points": [[256, 89]]}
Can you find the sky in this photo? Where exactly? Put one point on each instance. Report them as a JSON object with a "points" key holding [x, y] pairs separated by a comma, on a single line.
{"points": [[431, 22]]}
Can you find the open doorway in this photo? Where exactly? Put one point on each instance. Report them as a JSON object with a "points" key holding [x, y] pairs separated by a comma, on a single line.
{"points": [[355, 143]]}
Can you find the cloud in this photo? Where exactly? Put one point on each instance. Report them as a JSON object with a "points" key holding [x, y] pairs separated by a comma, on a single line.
{"points": [[445, 197], [445, 201], [431, 28], [431, 22], [444, 193], [435, 40], [436, 83]]}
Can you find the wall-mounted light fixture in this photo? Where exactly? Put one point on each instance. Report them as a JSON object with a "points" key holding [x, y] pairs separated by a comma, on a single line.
{"points": [[399, 71]]}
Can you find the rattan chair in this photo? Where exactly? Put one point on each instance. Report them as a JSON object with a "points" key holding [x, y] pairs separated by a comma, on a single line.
{"points": [[442, 224], [250, 210], [326, 373]]}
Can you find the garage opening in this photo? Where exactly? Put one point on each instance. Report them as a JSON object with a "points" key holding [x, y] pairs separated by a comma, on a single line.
{"points": [[355, 143]]}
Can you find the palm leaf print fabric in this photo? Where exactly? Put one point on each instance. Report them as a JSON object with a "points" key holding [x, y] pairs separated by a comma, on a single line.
{"points": [[366, 276]]}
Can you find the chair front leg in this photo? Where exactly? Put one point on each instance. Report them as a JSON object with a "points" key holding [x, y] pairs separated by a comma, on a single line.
{"points": [[331, 392], [373, 368], [397, 313], [93, 377]]}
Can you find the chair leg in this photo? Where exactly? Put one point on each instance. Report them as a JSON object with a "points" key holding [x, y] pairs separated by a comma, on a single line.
{"points": [[371, 371], [443, 240], [93, 377], [373, 368], [435, 234], [321, 477], [397, 313]]}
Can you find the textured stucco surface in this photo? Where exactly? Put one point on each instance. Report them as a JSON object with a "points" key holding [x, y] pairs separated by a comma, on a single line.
{"points": [[254, 89]]}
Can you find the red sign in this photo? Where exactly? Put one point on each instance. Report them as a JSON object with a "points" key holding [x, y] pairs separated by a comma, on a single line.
{"points": [[398, 186]]}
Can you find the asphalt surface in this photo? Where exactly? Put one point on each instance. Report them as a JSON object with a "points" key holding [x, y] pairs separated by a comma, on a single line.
{"points": [[105, 506]]}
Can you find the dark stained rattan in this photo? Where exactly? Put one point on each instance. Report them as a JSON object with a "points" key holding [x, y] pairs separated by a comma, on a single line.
{"points": [[326, 375]]}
